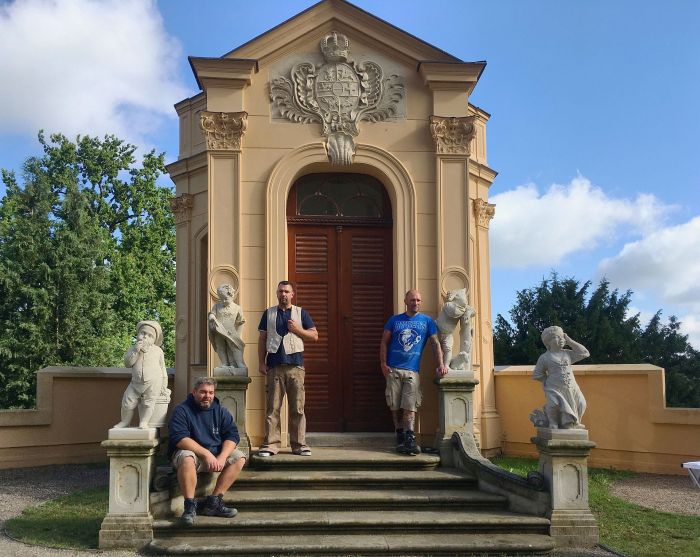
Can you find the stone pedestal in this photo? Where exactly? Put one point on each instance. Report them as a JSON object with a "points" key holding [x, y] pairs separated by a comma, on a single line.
{"points": [[129, 523], [456, 409], [231, 391], [564, 465]]}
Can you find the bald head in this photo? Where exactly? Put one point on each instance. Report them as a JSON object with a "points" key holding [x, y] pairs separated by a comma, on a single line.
{"points": [[413, 300]]}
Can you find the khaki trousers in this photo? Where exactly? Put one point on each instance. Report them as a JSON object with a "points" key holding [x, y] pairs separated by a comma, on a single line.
{"points": [[283, 380]]}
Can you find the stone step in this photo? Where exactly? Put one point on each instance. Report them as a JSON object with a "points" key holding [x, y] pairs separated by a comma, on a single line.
{"points": [[372, 440], [399, 544], [371, 499], [339, 458], [348, 522], [357, 479]]}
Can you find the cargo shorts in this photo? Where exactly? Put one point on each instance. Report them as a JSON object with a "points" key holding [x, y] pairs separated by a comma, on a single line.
{"points": [[201, 465], [403, 390]]}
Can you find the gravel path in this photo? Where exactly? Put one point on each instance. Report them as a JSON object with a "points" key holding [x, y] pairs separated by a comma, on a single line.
{"points": [[23, 487]]}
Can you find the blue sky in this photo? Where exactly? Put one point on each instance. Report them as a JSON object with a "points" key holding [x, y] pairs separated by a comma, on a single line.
{"points": [[594, 129]]}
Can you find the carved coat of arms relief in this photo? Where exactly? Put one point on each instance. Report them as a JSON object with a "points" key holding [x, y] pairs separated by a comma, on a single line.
{"points": [[338, 94]]}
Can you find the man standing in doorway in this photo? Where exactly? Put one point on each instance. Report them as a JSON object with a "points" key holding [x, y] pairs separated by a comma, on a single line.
{"points": [[403, 340], [283, 330]]}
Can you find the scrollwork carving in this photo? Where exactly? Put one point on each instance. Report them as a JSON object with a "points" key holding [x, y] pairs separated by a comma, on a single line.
{"points": [[181, 206], [338, 94], [223, 130], [484, 212], [453, 135]]}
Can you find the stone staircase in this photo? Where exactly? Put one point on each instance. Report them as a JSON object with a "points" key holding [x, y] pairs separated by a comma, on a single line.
{"points": [[353, 502]]}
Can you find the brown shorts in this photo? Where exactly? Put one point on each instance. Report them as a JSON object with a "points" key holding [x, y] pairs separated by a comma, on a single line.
{"points": [[201, 465], [403, 390]]}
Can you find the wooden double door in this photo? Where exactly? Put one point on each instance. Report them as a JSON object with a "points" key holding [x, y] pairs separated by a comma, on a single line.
{"points": [[343, 277]]}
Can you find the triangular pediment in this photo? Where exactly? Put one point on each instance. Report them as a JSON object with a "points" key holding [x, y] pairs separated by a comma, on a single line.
{"points": [[341, 16]]}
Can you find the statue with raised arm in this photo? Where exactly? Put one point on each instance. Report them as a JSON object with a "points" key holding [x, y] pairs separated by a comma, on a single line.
{"points": [[456, 311], [149, 379], [565, 404], [225, 323]]}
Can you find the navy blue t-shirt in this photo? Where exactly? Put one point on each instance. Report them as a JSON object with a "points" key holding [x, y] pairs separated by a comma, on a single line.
{"points": [[280, 357]]}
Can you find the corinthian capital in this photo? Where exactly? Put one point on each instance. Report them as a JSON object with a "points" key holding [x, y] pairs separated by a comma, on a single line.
{"points": [[452, 135], [223, 130], [484, 212], [181, 206]]}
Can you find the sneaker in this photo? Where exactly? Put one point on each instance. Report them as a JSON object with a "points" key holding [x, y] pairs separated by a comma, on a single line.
{"points": [[410, 446], [302, 452], [215, 507], [187, 518], [265, 453]]}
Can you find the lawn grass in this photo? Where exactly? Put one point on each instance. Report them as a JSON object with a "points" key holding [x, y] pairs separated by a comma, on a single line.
{"points": [[72, 521], [625, 527]]}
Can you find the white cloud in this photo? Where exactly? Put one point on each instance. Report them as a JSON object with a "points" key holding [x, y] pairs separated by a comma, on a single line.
{"points": [[690, 325], [86, 66], [533, 229], [665, 265]]}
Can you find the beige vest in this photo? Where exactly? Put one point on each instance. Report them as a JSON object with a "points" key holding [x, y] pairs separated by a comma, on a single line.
{"points": [[292, 343]]}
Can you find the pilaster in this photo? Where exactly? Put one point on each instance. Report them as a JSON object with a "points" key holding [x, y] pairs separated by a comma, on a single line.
{"points": [[223, 133], [181, 207], [490, 421], [231, 391]]}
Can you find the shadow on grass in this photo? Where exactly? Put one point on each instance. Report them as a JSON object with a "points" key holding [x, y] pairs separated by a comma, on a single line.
{"points": [[72, 521]]}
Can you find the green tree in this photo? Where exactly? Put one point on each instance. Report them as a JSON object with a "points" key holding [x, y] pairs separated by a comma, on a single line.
{"points": [[87, 249], [599, 321]]}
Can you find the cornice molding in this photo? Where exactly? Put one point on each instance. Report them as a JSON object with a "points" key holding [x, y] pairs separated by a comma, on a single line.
{"points": [[452, 135], [451, 76], [236, 73], [185, 166], [484, 212], [223, 131]]}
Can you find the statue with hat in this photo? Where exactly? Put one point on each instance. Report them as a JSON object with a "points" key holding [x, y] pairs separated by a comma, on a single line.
{"points": [[149, 379]]}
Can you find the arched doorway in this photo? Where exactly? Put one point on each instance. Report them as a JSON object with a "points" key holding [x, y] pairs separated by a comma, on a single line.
{"points": [[341, 260]]}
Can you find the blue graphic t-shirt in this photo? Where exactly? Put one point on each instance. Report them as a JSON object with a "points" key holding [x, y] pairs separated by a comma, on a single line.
{"points": [[408, 338]]}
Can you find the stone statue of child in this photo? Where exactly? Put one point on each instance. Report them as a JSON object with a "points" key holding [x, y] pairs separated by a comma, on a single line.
{"points": [[225, 322], [149, 379], [565, 403], [456, 310]]}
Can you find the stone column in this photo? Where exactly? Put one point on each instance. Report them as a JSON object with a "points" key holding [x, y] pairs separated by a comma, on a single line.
{"points": [[181, 207], [223, 132], [231, 391], [456, 412], [490, 421], [129, 523], [564, 465]]}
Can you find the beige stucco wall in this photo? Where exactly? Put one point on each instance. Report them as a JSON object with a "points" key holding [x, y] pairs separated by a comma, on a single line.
{"points": [[434, 224], [76, 406], [626, 417]]}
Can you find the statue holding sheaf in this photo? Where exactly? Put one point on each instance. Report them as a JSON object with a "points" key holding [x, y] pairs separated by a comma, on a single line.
{"points": [[225, 323]]}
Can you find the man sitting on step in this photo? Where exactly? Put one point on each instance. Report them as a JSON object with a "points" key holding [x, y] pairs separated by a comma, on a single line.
{"points": [[203, 438], [405, 335]]}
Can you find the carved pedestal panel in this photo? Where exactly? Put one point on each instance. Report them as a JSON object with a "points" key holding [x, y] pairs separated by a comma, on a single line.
{"points": [[231, 390], [564, 465], [129, 523], [456, 410]]}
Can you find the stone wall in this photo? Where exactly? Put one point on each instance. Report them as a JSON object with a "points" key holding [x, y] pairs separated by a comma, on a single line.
{"points": [[626, 417]]}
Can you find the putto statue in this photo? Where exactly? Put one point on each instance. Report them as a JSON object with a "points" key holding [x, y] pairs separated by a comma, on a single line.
{"points": [[565, 403], [149, 379], [225, 323], [455, 311]]}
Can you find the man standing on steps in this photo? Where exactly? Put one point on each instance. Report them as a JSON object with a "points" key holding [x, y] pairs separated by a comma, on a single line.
{"points": [[400, 350], [283, 330], [203, 438]]}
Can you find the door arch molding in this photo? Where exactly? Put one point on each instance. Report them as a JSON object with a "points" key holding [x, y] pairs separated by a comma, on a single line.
{"points": [[368, 160]]}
